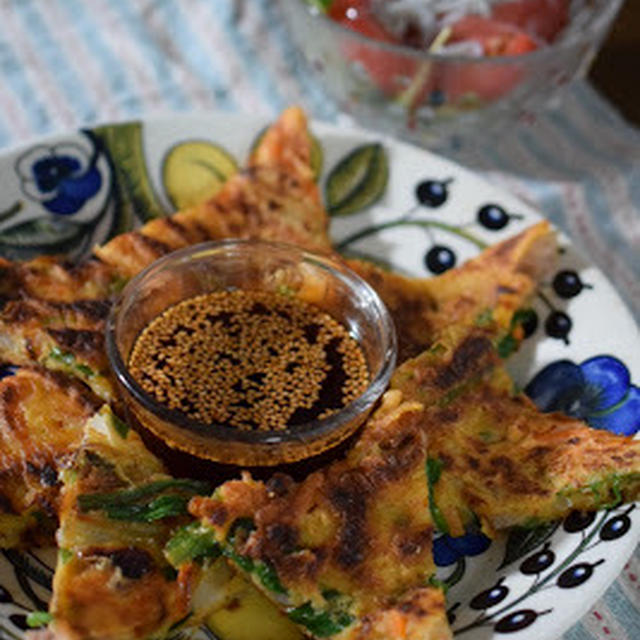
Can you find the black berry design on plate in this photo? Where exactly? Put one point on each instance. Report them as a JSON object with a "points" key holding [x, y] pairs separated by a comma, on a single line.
{"points": [[490, 597], [529, 323], [433, 193], [19, 620], [617, 526], [578, 521], [440, 259], [576, 575], [517, 620], [5, 596], [567, 284], [494, 217], [558, 325], [506, 614], [538, 562], [451, 613]]}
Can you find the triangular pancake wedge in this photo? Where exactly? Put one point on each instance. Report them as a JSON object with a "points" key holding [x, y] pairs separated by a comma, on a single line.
{"points": [[274, 198], [494, 458], [347, 552], [492, 286], [119, 508]]}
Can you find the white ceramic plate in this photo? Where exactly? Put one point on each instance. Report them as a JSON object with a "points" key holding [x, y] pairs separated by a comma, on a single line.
{"points": [[69, 192]]}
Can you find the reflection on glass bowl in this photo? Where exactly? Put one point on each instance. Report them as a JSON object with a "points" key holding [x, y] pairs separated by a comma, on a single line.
{"points": [[426, 96]]}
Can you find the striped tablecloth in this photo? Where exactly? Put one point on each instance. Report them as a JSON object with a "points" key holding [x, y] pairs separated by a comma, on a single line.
{"points": [[68, 63]]}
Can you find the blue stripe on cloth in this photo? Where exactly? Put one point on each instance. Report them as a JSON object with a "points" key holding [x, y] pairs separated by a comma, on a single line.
{"points": [[190, 45], [259, 73], [115, 74], [152, 53], [577, 632], [545, 194], [598, 208], [320, 105], [53, 59], [15, 79], [623, 610], [602, 111], [628, 170], [5, 136]]}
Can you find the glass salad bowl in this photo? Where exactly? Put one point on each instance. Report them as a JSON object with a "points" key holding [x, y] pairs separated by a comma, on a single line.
{"points": [[477, 75]]}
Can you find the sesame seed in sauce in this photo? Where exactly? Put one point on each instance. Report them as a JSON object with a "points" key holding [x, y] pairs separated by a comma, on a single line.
{"points": [[250, 360]]}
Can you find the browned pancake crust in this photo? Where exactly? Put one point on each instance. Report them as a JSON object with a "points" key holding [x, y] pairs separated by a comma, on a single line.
{"points": [[41, 420], [111, 580], [61, 336], [360, 527], [51, 279], [501, 459], [500, 280], [274, 198]]}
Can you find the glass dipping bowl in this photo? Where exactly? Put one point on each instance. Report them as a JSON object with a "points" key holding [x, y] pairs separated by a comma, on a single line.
{"points": [[428, 97], [257, 266]]}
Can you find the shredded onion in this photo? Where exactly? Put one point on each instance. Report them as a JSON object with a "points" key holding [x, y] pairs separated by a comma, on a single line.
{"points": [[422, 20]]}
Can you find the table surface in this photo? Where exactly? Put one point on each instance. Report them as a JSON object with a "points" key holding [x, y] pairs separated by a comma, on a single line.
{"points": [[69, 63], [615, 72]]}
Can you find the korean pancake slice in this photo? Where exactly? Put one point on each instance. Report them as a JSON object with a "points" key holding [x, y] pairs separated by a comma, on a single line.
{"points": [[498, 282], [60, 336], [346, 553], [274, 198], [55, 280], [494, 458], [118, 510], [55, 311], [41, 421]]}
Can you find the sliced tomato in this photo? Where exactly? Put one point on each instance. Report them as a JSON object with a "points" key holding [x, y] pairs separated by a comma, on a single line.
{"points": [[482, 80], [496, 38], [390, 72], [541, 19]]}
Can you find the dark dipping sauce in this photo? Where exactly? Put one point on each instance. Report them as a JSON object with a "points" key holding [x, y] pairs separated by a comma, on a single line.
{"points": [[250, 360]]}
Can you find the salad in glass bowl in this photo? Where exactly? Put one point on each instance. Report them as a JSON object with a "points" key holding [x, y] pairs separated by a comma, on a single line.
{"points": [[423, 69]]}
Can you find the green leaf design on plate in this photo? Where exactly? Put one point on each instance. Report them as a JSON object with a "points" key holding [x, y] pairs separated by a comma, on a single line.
{"points": [[317, 154], [135, 198], [522, 541], [15, 208], [358, 180], [43, 233], [194, 171]]}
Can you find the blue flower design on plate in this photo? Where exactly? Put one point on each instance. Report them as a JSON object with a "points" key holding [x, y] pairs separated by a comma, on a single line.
{"points": [[598, 391], [61, 177], [448, 550]]}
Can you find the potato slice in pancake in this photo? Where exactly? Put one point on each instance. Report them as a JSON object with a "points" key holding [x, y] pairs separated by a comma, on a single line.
{"points": [[41, 420], [119, 507], [274, 198], [59, 336], [494, 456], [347, 552]]}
